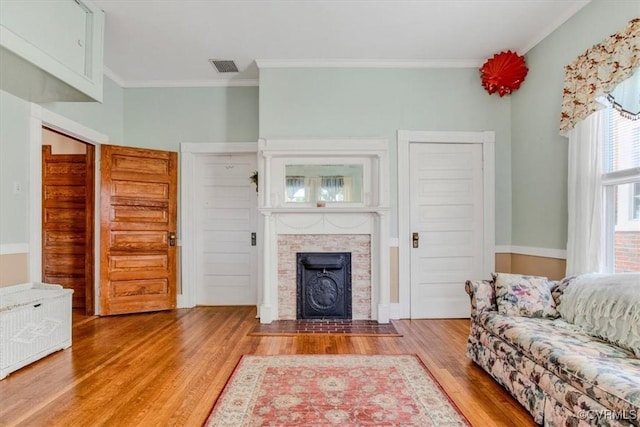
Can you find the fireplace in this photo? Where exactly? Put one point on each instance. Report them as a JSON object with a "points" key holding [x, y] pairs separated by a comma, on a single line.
{"points": [[323, 289], [358, 226], [358, 245]]}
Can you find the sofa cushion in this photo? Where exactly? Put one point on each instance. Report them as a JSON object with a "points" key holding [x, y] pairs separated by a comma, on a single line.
{"points": [[547, 339], [602, 371], [528, 296], [497, 357], [606, 379], [606, 306]]}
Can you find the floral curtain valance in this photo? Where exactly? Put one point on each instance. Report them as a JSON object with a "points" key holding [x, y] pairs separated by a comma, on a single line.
{"points": [[597, 72]]}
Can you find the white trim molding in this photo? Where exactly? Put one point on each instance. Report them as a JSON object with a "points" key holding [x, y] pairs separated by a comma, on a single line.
{"points": [[394, 310], [367, 63], [113, 76], [14, 248], [407, 137], [42, 117], [222, 82], [531, 251], [192, 83], [553, 25], [503, 249]]}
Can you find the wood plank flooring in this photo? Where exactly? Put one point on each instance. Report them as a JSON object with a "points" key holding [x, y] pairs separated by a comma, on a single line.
{"points": [[168, 368]]}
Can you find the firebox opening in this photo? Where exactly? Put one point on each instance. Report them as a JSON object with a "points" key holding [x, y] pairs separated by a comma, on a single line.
{"points": [[323, 285]]}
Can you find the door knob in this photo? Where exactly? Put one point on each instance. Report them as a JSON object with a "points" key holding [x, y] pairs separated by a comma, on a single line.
{"points": [[172, 238], [416, 240]]}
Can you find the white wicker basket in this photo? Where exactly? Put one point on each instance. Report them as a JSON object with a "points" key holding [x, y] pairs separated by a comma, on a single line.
{"points": [[35, 320]]}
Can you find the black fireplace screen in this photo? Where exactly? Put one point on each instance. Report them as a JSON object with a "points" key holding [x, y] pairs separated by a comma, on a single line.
{"points": [[323, 285]]}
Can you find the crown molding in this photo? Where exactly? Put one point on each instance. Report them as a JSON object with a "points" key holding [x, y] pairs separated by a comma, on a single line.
{"points": [[113, 76], [178, 83], [294, 63], [367, 63], [553, 25], [193, 83]]}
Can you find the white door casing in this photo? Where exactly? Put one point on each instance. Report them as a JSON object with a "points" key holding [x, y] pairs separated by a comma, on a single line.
{"points": [[218, 214], [40, 117], [442, 286]]}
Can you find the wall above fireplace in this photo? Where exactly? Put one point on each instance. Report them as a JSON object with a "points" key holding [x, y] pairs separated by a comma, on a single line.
{"points": [[365, 215]]}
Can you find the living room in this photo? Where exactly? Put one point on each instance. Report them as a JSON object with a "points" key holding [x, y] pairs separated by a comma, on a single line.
{"points": [[289, 102]]}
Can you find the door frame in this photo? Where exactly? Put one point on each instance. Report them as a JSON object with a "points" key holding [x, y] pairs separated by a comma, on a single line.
{"points": [[405, 138], [39, 118], [187, 215]]}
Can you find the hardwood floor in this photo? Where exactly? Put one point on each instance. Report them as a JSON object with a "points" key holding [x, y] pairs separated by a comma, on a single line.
{"points": [[167, 368]]}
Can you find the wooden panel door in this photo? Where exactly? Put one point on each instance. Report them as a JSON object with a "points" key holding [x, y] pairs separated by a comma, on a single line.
{"points": [[67, 223], [138, 228], [447, 219]]}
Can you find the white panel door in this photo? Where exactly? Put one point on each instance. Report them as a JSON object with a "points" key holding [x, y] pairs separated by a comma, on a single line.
{"points": [[447, 214], [226, 216]]}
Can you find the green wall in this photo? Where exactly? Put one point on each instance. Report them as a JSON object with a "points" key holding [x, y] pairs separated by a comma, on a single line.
{"points": [[149, 118], [14, 168], [539, 153], [105, 117], [162, 118], [531, 156], [331, 102]]}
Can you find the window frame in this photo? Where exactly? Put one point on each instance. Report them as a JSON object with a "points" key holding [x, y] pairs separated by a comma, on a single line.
{"points": [[609, 183]]}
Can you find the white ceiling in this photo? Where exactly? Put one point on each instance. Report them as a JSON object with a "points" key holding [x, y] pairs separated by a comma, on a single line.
{"points": [[169, 42]]}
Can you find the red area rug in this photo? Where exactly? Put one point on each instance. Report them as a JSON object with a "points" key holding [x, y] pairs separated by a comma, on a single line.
{"points": [[340, 390]]}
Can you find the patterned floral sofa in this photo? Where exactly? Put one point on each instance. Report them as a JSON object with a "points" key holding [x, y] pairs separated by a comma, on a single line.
{"points": [[568, 351]]}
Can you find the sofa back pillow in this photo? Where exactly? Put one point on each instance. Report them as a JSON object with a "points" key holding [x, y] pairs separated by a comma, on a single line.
{"points": [[558, 289], [525, 296], [606, 306], [483, 296]]}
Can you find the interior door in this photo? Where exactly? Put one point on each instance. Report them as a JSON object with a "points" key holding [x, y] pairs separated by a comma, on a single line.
{"points": [[137, 230], [447, 227], [226, 220], [67, 222]]}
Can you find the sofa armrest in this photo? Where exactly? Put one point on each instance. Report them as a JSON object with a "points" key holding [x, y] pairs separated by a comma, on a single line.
{"points": [[483, 296]]}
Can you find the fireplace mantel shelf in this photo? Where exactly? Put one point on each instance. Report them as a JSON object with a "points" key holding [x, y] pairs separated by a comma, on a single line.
{"points": [[378, 210]]}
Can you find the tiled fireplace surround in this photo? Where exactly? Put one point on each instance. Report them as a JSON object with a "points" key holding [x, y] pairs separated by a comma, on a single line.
{"points": [[360, 247], [359, 228]]}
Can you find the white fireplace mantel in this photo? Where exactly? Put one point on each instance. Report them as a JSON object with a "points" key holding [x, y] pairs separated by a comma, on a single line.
{"points": [[370, 216]]}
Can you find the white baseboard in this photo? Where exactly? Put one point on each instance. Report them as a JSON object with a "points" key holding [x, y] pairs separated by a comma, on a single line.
{"points": [[394, 310]]}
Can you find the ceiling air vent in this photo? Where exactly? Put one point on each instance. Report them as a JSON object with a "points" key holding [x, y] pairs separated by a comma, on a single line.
{"points": [[224, 65]]}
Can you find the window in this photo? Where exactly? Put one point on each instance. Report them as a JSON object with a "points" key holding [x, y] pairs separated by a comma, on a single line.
{"points": [[332, 188], [621, 184], [326, 188], [296, 189], [334, 183]]}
